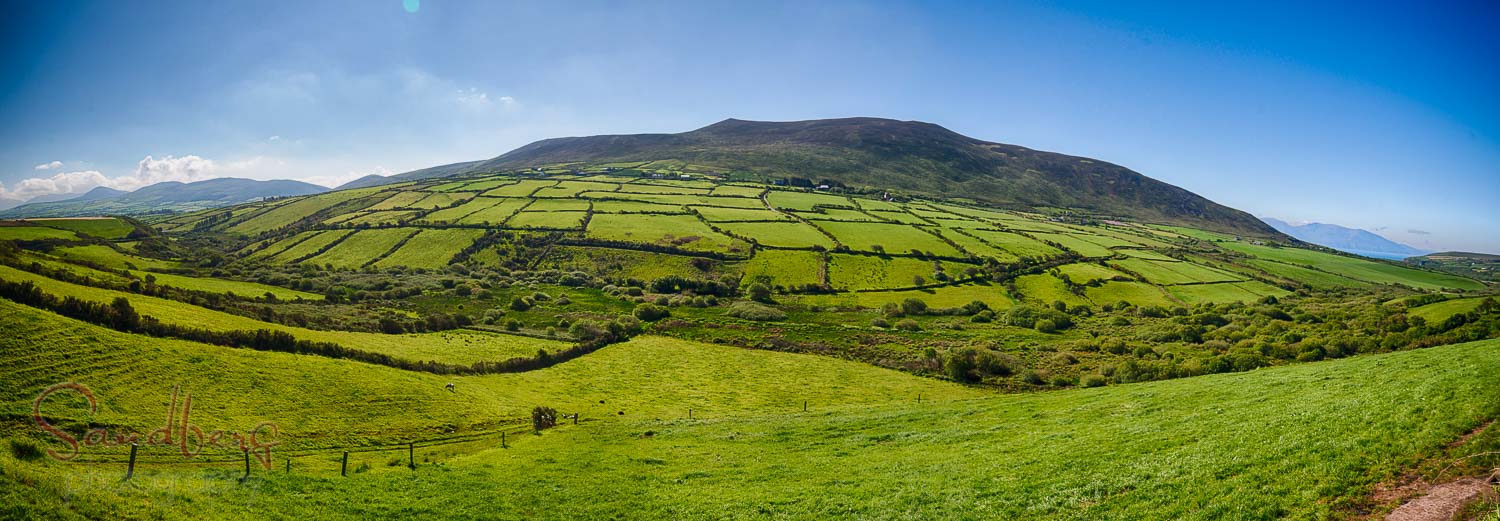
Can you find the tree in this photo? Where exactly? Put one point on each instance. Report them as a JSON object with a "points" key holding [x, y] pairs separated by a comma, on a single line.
{"points": [[651, 312], [760, 292], [543, 418]]}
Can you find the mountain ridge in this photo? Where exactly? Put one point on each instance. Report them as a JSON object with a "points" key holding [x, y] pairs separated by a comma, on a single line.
{"points": [[1352, 240], [165, 197], [910, 156]]}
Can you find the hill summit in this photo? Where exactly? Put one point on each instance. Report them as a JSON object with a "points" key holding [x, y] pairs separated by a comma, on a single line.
{"points": [[912, 156]]}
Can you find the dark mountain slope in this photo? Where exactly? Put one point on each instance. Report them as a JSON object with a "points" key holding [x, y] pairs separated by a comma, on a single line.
{"points": [[904, 155]]}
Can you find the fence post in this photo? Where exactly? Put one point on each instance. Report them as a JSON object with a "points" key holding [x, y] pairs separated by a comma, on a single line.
{"points": [[804, 405], [411, 454], [130, 470], [247, 465], [575, 418], [288, 465], [690, 414], [919, 397], [344, 469], [502, 439]]}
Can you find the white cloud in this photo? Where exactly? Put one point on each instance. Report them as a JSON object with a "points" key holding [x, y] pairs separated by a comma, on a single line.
{"points": [[148, 171], [50, 166], [274, 138]]}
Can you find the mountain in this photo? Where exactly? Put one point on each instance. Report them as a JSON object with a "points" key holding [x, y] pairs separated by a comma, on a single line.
{"points": [[367, 181], [1352, 240], [170, 196], [909, 156]]}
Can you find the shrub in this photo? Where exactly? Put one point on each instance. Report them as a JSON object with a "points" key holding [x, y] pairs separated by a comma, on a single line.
{"points": [[25, 450], [960, 366], [651, 312], [1093, 380], [1046, 326], [913, 306], [759, 292], [880, 322], [908, 325], [520, 304], [513, 325], [1061, 381], [543, 418], [757, 312]]}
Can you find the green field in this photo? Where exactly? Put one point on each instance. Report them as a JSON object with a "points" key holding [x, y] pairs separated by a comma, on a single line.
{"points": [[498, 211], [1178, 449], [373, 218], [737, 191], [779, 234], [558, 205], [296, 210], [715, 214], [679, 231], [1167, 273], [1224, 292], [13, 230], [805, 201], [547, 220], [101, 227], [310, 246], [522, 188], [1136, 293], [398, 200], [979, 248], [857, 272], [603, 206], [111, 258], [940, 297], [677, 200], [1018, 245], [1046, 289], [785, 268], [1084, 272], [431, 248], [362, 247], [891, 238], [458, 347], [1366, 270], [837, 214], [1437, 312]]}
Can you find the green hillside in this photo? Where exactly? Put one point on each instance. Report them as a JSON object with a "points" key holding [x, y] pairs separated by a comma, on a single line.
{"points": [[1243, 445], [1188, 373], [880, 154]]}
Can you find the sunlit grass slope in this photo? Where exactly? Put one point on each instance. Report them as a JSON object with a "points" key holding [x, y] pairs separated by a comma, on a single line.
{"points": [[1294, 442]]}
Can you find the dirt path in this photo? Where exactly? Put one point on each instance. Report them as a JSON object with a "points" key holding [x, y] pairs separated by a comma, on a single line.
{"points": [[1444, 502]]}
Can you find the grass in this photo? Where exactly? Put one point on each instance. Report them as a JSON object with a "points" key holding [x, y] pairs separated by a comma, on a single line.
{"points": [[784, 267], [737, 191], [630, 264], [637, 207], [558, 205], [680, 231], [1224, 292], [979, 248], [1437, 312], [213, 285], [1309, 276], [296, 210], [779, 234], [1144, 254], [431, 248], [1078, 243], [941, 297], [522, 188], [1291, 442], [571, 189], [1167, 273], [894, 238], [398, 200], [1355, 268], [678, 200], [547, 220], [458, 347], [870, 272], [438, 200], [14, 230], [1084, 272], [373, 218], [102, 227], [805, 201], [111, 258], [1046, 289], [838, 214], [1016, 244], [1137, 293], [496, 213], [714, 214], [309, 246], [898, 217], [362, 247]]}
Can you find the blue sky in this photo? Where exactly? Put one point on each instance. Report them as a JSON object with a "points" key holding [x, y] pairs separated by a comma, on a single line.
{"points": [[1374, 115]]}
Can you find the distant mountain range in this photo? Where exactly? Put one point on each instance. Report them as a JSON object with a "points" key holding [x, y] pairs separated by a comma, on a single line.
{"points": [[171, 196], [1352, 240], [907, 156]]}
